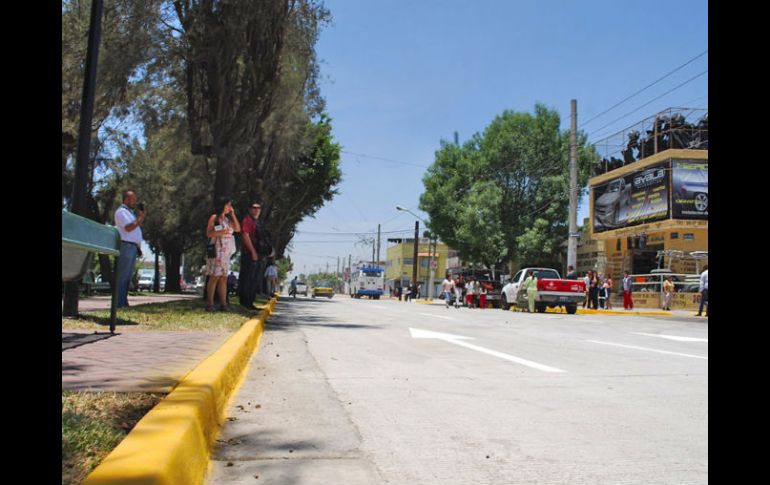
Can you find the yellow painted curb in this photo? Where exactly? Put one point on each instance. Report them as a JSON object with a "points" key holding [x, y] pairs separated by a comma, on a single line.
{"points": [[583, 311], [171, 444]]}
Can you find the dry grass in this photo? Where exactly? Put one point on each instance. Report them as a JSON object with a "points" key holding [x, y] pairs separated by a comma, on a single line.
{"points": [[93, 424]]}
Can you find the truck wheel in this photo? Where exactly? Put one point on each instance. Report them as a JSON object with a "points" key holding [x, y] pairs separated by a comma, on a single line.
{"points": [[504, 303], [571, 309], [540, 308]]}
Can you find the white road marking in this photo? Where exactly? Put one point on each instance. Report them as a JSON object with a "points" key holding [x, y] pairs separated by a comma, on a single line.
{"points": [[673, 337], [436, 316], [648, 349], [377, 307], [458, 340]]}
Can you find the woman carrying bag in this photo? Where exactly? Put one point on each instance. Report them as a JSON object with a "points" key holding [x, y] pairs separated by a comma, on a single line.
{"points": [[220, 228]]}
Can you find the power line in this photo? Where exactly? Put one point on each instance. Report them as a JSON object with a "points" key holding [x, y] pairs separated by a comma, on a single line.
{"points": [[383, 159], [644, 88], [649, 102]]}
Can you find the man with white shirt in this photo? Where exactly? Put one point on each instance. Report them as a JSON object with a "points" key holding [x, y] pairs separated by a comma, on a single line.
{"points": [[704, 291], [129, 227]]}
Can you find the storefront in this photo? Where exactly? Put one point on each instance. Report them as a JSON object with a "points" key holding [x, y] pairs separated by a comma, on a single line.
{"points": [[653, 214]]}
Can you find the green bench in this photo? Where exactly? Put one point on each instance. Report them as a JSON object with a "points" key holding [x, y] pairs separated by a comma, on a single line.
{"points": [[81, 239]]}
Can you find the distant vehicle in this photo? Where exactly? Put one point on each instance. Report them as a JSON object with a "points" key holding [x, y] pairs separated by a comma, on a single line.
{"points": [[367, 282], [146, 279], [323, 288], [552, 291], [301, 288], [162, 283]]}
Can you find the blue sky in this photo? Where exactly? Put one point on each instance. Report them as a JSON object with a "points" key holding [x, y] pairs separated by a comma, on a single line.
{"points": [[400, 76]]}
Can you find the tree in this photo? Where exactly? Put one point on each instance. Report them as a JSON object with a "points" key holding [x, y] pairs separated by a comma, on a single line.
{"points": [[232, 52], [505, 194]]}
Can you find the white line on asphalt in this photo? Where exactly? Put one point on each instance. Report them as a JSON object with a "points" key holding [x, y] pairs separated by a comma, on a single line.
{"points": [[673, 337], [648, 349], [437, 316], [458, 340], [377, 307]]}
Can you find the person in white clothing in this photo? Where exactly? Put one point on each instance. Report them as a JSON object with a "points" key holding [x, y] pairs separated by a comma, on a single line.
{"points": [[129, 226], [704, 291]]}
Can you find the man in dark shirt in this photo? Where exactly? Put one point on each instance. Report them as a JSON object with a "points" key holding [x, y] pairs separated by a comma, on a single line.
{"points": [[247, 280]]}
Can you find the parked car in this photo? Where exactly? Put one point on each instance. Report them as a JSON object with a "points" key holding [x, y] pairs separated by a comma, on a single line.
{"points": [[146, 280], [301, 288], [552, 291]]}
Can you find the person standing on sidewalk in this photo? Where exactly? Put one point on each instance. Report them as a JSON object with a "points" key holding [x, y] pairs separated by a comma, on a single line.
{"points": [[530, 286], [129, 227], [593, 291], [482, 295], [587, 281], [668, 293], [608, 292], [703, 287], [220, 228], [271, 276], [247, 279], [628, 302]]}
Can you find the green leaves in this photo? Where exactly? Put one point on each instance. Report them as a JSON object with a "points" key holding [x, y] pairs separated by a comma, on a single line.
{"points": [[505, 194]]}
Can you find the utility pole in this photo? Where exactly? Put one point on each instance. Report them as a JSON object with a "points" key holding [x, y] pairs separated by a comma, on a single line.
{"points": [[573, 234], [414, 261], [378, 245], [338, 266], [457, 139]]}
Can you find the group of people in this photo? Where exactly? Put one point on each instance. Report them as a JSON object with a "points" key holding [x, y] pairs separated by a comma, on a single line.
{"points": [[456, 290], [598, 291], [408, 292], [258, 273]]}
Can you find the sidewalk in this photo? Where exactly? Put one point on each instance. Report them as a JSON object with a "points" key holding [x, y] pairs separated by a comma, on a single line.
{"points": [[132, 361]]}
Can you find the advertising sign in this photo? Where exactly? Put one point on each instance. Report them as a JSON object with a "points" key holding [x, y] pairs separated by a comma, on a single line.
{"points": [[633, 199], [690, 189]]}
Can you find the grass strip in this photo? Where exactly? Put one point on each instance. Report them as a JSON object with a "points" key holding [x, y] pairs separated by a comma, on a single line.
{"points": [[166, 316], [93, 424]]}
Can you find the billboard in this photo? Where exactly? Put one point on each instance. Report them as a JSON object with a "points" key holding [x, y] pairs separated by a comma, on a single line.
{"points": [[637, 198], [690, 189]]}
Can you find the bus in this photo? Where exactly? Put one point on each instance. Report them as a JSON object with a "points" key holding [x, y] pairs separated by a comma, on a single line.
{"points": [[367, 282]]}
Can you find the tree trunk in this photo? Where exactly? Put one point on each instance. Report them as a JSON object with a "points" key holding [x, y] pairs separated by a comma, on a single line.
{"points": [[70, 308], [156, 283], [105, 263], [173, 259]]}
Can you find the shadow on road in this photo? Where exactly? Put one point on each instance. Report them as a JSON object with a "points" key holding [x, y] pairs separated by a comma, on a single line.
{"points": [[291, 313]]}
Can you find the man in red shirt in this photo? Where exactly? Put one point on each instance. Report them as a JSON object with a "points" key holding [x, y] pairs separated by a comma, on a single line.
{"points": [[247, 279]]}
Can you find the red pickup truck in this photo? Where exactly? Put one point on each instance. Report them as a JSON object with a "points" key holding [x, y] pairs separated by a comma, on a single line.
{"points": [[552, 291]]}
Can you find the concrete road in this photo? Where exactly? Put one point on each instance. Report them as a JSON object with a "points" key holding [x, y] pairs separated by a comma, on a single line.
{"points": [[372, 392]]}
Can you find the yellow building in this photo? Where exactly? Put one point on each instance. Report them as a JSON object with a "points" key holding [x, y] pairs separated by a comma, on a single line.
{"points": [[636, 246], [400, 261]]}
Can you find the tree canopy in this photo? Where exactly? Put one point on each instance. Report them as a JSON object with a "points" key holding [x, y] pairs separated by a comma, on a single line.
{"points": [[504, 194]]}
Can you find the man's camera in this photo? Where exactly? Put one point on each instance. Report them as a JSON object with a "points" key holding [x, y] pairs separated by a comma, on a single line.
{"points": [[140, 206]]}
